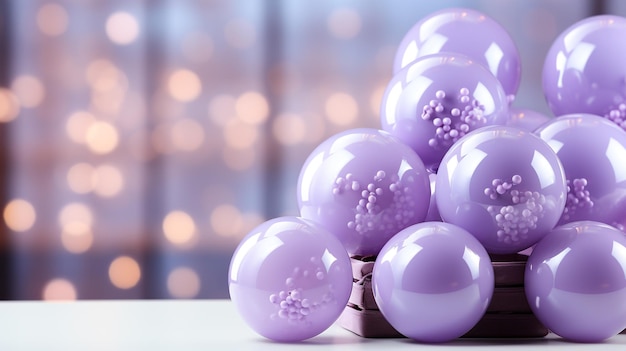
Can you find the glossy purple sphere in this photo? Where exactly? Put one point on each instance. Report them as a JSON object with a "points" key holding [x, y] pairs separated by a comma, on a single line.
{"points": [[584, 70], [433, 281], [575, 281], [526, 119], [437, 99], [504, 185], [593, 153], [467, 32], [364, 186], [290, 279]]}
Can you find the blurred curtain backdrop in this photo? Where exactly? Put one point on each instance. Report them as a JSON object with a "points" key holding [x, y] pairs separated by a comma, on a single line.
{"points": [[140, 141]]}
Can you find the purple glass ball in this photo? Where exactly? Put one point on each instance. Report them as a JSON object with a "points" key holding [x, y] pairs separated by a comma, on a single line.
{"points": [[593, 153], [364, 186], [504, 185], [467, 32], [575, 281], [584, 69], [290, 279], [437, 99], [526, 119], [433, 281]]}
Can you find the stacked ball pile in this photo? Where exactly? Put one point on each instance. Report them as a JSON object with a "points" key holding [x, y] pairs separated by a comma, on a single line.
{"points": [[454, 179]]}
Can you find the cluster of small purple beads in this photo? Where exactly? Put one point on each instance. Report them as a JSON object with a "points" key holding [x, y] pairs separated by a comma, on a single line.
{"points": [[292, 306], [516, 220], [618, 115], [578, 197], [452, 123], [369, 215]]}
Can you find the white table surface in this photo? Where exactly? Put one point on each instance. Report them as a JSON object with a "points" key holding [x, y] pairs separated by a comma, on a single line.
{"points": [[198, 325]]}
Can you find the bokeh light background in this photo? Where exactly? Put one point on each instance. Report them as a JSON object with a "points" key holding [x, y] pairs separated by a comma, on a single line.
{"points": [[141, 140]]}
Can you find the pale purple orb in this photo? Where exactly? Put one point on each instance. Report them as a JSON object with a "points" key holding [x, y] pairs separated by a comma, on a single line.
{"points": [[437, 99], [433, 281], [575, 281], [584, 69], [290, 279], [363, 186], [466, 32], [504, 185], [593, 153]]}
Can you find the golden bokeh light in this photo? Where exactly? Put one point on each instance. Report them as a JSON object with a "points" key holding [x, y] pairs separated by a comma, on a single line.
{"points": [[124, 272], [59, 289], [101, 137], [76, 227], [19, 215], [239, 159], [197, 47], [289, 129], [29, 90], [222, 109], [107, 180], [240, 135], [252, 107], [184, 85], [52, 19], [122, 28], [226, 220], [9, 105], [344, 23], [187, 135], [103, 76], [79, 178], [109, 102], [75, 212], [341, 109], [77, 125], [183, 283], [77, 237], [179, 228], [239, 33]]}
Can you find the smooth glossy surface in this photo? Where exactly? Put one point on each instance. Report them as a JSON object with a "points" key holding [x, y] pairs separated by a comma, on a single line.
{"points": [[467, 32], [526, 119], [575, 281], [584, 70], [433, 281], [290, 279], [433, 210], [364, 186], [437, 99], [593, 153], [504, 185]]}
